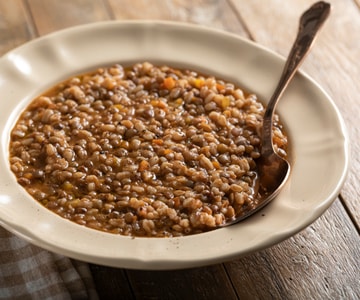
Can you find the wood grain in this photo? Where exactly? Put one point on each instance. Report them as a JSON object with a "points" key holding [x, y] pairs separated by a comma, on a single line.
{"points": [[15, 25], [111, 283], [54, 15], [225, 18], [333, 63], [199, 283], [321, 262]]}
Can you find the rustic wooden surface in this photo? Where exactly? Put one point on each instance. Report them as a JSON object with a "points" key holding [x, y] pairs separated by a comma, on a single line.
{"points": [[322, 261]]}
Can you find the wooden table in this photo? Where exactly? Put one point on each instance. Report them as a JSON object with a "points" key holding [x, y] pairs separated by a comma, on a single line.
{"points": [[322, 261]]}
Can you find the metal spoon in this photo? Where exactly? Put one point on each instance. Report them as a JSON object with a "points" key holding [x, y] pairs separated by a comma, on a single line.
{"points": [[273, 170]]}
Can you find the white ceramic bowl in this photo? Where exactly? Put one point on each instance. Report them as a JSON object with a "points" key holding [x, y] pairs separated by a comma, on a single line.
{"points": [[318, 137]]}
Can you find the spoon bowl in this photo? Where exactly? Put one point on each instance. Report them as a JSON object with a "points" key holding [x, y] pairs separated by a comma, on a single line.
{"points": [[273, 169]]}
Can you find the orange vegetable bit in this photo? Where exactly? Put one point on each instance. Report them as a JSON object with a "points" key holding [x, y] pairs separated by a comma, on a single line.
{"points": [[167, 151], [227, 113], [158, 142], [176, 103], [225, 102], [220, 87], [198, 83], [158, 103], [118, 106], [143, 166], [169, 83], [216, 164]]}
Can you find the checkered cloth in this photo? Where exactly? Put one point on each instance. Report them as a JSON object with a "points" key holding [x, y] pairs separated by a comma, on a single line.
{"points": [[29, 272]]}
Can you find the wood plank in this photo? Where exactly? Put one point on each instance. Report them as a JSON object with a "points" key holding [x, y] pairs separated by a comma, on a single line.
{"points": [[54, 15], [199, 283], [311, 265], [333, 63], [139, 9], [15, 25], [225, 18], [111, 282]]}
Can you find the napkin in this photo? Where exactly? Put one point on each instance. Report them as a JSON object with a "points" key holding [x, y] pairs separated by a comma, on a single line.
{"points": [[29, 272]]}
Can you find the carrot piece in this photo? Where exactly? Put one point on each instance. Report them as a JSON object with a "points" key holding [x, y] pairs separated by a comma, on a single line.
{"points": [[198, 83], [158, 103], [179, 102], [216, 164], [158, 142], [144, 165], [169, 83], [118, 106], [225, 102], [227, 113], [167, 151], [220, 87]]}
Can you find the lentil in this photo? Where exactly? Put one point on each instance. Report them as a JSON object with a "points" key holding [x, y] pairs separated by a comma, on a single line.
{"points": [[142, 151]]}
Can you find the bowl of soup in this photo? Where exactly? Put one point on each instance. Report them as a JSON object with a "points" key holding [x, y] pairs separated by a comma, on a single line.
{"points": [[128, 143]]}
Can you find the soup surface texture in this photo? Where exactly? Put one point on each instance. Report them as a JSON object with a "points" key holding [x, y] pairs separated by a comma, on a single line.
{"points": [[142, 150]]}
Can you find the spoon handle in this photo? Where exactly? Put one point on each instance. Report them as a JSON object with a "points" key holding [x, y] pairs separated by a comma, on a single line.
{"points": [[310, 23]]}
